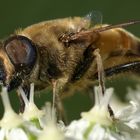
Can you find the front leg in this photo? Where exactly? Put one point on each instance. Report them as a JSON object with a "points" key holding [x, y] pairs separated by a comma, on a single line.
{"points": [[57, 102]]}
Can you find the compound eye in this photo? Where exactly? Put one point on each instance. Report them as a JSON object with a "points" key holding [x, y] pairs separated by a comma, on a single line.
{"points": [[21, 51]]}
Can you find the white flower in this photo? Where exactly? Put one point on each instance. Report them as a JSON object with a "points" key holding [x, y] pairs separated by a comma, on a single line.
{"points": [[11, 122], [129, 117], [33, 124], [12, 134], [51, 129], [94, 124], [51, 132], [98, 125], [134, 95], [10, 118], [77, 129], [99, 113], [31, 111]]}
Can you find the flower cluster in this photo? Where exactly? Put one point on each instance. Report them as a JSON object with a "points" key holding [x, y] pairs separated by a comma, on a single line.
{"points": [[32, 124], [96, 124]]}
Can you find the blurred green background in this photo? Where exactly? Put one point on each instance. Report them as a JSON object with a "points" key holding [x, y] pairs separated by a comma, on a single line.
{"points": [[16, 14]]}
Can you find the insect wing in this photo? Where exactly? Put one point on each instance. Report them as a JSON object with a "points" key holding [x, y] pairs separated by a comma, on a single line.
{"points": [[95, 18]]}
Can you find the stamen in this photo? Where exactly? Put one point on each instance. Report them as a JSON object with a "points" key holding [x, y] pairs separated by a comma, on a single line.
{"points": [[31, 93], [5, 100], [31, 111], [24, 97]]}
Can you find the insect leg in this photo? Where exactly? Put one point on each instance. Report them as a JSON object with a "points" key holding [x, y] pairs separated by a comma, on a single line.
{"points": [[101, 78], [57, 103], [131, 66], [127, 67], [84, 65]]}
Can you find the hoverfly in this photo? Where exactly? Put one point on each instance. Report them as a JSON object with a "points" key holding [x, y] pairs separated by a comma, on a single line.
{"points": [[60, 53]]}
